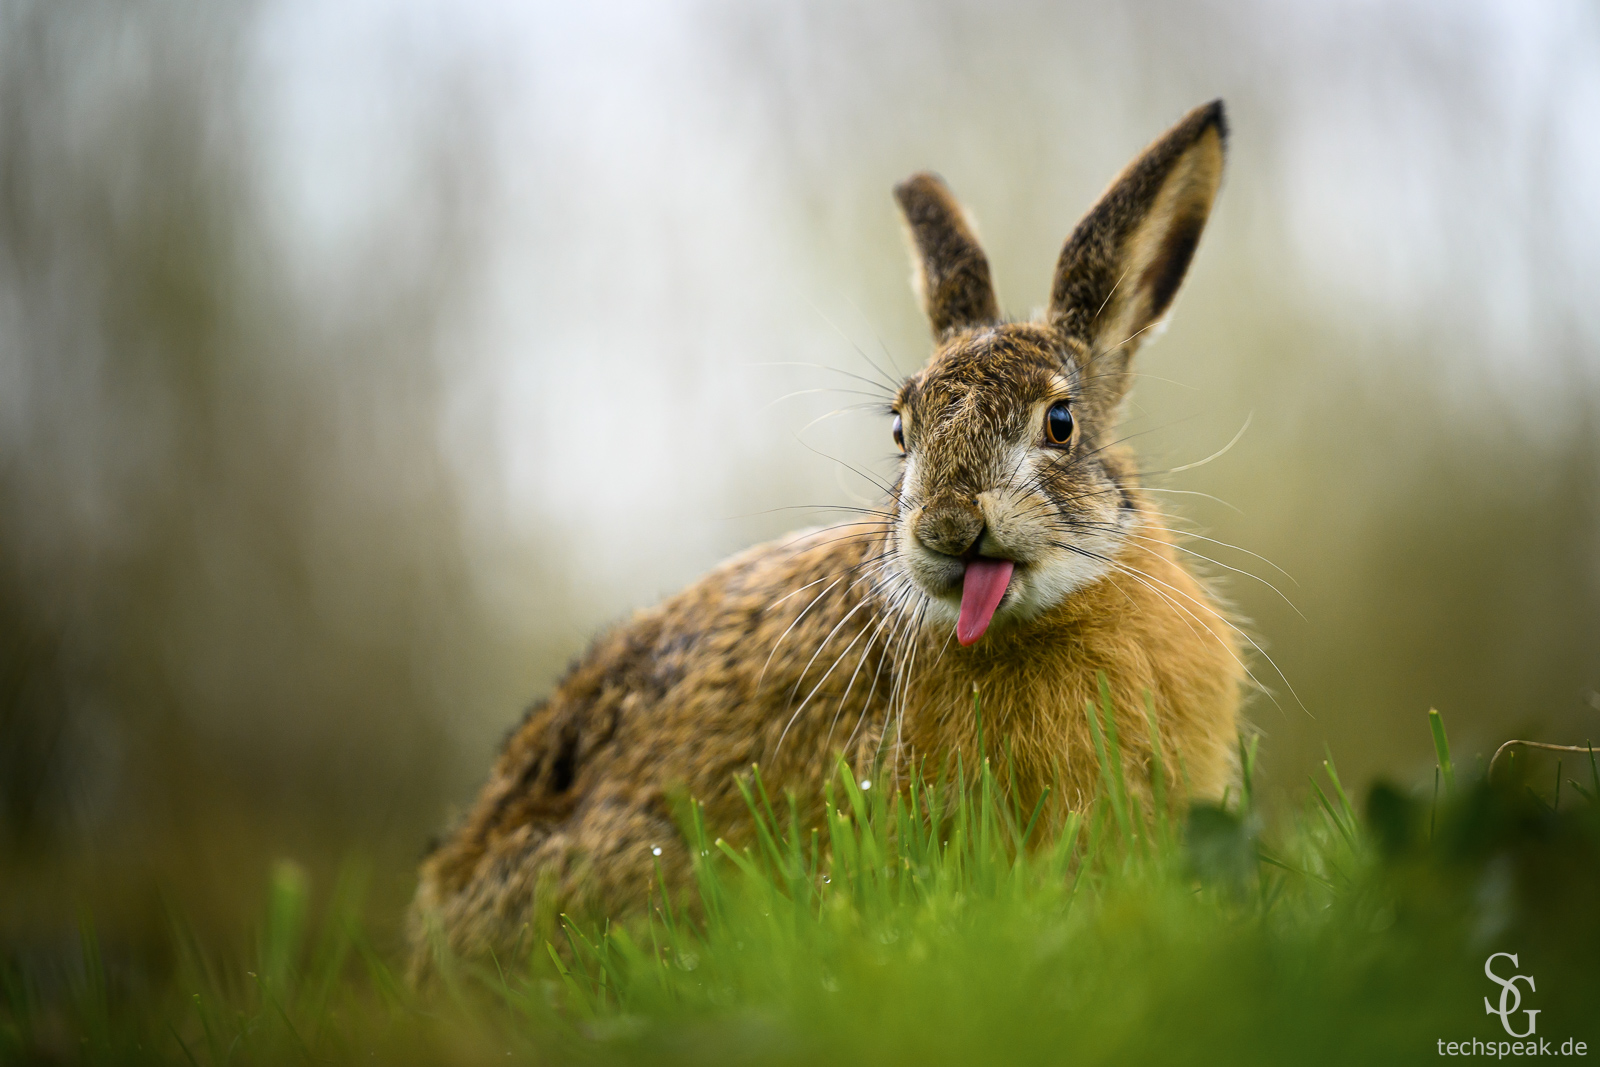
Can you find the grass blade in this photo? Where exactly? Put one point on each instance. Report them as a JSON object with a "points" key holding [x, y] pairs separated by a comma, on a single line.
{"points": [[1441, 749]]}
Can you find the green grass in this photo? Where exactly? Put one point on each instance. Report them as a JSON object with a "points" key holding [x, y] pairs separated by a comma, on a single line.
{"points": [[913, 928]]}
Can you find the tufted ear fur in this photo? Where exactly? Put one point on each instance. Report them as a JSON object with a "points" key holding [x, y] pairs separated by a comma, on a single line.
{"points": [[1122, 266], [952, 273]]}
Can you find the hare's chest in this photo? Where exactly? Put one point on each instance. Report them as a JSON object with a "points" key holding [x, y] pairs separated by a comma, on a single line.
{"points": [[1039, 710]]}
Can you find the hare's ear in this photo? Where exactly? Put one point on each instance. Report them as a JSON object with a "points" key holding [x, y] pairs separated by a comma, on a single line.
{"points": [[952, 273], [1123, 264]]}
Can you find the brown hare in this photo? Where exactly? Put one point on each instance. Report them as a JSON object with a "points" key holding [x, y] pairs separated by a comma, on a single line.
{"points": [[1015, 556]]}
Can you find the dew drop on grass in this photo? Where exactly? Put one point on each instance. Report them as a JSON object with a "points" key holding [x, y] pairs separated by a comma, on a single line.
{"points": [[655, 850], [866, 783]]}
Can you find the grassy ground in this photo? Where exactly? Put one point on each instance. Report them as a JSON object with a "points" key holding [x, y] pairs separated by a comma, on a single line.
{"points": [[913, 929]]}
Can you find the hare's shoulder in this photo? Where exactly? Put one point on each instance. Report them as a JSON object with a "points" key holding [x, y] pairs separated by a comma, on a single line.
{"points": [[657, 696], [810, 571], [708, 644], [712, 632]]}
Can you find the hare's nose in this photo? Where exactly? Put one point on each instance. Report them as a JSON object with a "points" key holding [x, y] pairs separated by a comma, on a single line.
{"points": [[949, 528]]}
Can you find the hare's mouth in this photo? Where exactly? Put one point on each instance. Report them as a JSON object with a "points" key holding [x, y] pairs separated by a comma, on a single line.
{"points": [[984, 584]]}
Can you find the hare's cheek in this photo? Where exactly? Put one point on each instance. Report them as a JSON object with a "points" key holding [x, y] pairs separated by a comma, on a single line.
{"points": [[1094, 499], [1019, 523], [907, 559], [1067, 573], [908, 488]]}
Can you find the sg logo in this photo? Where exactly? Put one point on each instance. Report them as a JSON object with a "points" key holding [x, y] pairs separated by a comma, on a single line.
{"points": [[1508, 988]]}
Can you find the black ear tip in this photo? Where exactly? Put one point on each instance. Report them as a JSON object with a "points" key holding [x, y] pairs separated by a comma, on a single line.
{"points": [[919, 186], [1215, 114]]}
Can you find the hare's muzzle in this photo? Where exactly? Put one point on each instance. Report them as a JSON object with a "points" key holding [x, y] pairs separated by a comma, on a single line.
{"points": [[949, 528], [954, 529]]}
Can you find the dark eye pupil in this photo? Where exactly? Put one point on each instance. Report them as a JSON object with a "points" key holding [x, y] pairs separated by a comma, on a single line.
{"points": [[1058, 423], [899, 434]]}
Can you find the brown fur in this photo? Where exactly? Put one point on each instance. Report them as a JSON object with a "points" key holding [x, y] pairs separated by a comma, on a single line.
{"points": [[839, 641]]}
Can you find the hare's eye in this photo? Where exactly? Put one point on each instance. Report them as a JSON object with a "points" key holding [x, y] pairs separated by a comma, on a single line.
{"points": [[1058, 423], [899, 434]]}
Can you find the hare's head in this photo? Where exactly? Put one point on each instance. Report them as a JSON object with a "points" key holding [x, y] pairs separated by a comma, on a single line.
{"points": [[1011, 496]]}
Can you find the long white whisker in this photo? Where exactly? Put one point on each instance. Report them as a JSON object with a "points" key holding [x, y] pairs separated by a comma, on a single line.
{"points": [[812, 392], [865, 601], [823, 366], [835, 326], [1147, 578], [861, 661], [1219, 453], [762, 676], [895, 598], [1198, 555]]}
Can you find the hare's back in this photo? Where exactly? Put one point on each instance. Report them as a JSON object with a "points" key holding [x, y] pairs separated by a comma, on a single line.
{"points": [[765, 660]]}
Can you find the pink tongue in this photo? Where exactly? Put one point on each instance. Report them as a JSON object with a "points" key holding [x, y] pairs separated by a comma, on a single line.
{"points": [[981, 589]]}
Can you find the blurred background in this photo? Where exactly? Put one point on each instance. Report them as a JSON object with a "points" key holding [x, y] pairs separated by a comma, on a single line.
{"points": [[359, 360]]}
